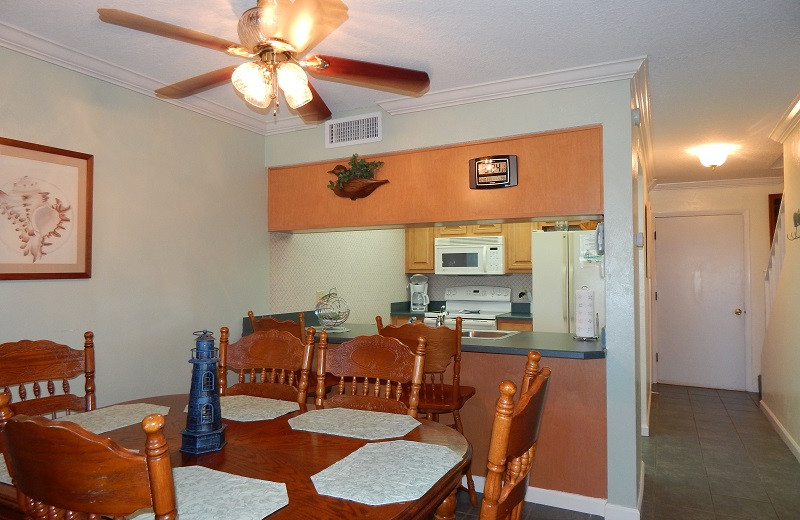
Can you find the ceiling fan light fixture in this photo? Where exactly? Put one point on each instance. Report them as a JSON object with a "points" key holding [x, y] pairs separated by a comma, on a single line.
{"points": [[254, 81], [261, 23], [294, 83]]}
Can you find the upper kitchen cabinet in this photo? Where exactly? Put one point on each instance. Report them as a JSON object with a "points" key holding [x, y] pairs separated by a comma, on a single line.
{"points": [[558, 173], [518, 246], [469, 230], [419, 250]]}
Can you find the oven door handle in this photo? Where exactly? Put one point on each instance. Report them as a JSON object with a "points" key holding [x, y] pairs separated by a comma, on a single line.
{"points": [[473, 324]]}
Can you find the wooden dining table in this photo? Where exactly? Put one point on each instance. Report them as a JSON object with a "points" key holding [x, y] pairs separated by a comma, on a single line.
{"points": [[272, 450]]}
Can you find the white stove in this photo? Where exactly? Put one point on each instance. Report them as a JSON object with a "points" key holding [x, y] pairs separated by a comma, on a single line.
{"points": [[477, 305]]}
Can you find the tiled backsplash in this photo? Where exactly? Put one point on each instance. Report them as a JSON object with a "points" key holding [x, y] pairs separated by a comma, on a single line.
{"points": [[366, 268], [517, 282]]}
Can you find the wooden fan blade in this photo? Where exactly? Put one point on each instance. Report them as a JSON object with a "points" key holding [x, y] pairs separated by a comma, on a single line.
{"points": [[373, 75], [311, 21], [167, 30], [196, 84], [314, 111]]}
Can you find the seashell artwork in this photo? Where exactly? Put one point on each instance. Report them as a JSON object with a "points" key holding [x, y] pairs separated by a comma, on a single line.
{"points": [[37, 218]]}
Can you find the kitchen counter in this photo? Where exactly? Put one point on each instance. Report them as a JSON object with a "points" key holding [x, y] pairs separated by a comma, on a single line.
{"points": [[574, 423], [548, 344]]}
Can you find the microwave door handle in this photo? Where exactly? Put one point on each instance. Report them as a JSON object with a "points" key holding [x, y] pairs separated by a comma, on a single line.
{"points": [[485, 261]]}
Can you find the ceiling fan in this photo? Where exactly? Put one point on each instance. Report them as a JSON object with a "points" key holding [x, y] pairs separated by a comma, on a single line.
{"points": [[275, 35]]}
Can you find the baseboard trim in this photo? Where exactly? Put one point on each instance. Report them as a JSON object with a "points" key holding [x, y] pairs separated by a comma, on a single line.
{"points": [[646, 416], [615, 512], [560, 499], [782, 431]]}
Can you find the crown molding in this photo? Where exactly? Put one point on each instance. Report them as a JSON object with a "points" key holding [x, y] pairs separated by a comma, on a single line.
{"points": [[31, 45], [722, 183], [790, 119], [25, 43], [564, 78]]}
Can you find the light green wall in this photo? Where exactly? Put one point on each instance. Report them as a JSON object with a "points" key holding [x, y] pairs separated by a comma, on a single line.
{"points": [[781, 356], [607, 104], [179, 238]]}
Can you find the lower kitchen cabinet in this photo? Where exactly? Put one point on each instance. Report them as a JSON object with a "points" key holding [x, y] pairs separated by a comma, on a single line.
{"points": [[402, 320], [514, 325]]}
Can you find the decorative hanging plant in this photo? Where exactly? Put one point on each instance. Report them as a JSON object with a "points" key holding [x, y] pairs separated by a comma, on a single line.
{"points": [[357, 180]]}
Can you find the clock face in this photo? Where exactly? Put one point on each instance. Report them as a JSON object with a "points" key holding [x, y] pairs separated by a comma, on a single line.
{"points": [[496, 171], [492, 167]]}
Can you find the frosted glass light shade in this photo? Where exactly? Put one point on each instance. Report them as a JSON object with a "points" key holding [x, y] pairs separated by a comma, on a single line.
{"points": [[713, 155], [294, 83], [254, 81], [262, 23]]}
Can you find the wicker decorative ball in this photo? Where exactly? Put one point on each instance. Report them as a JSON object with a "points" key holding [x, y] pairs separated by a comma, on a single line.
{"points": [[332, 310]]}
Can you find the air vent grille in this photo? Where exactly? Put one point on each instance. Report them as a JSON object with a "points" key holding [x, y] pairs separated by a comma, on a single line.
{"points": [[365, 128]]}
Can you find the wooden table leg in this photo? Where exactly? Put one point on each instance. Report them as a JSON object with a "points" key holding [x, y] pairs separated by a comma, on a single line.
{"points": [[447, 511]]}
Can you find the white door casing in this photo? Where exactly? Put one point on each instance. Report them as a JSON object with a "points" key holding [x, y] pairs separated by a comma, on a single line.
{"points": [[701, 279]]}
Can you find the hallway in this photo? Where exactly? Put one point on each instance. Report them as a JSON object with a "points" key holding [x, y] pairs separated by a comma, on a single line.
{"points": [[712, 455]]}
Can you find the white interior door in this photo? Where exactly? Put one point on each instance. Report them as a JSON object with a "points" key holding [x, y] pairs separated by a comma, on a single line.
{"points": [[699, 308]]}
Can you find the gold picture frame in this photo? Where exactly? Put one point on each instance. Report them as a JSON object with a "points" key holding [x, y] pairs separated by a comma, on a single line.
{"points": [[45, 212]]}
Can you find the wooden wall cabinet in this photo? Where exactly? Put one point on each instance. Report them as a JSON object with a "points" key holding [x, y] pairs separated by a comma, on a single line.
{"points": [[470, 230], [419, 250], [518, 246]]}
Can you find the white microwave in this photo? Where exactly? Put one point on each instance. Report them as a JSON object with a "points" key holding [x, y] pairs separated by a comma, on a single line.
{"points": [[470, 255]]}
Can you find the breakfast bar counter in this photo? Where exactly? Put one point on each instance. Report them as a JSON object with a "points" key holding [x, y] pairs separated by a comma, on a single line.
{"points": [[548, 344], [571, 457]]}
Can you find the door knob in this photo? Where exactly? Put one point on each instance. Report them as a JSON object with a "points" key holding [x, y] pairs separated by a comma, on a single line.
{"points": [[737, 312]]}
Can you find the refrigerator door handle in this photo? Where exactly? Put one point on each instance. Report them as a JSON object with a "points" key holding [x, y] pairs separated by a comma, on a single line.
{"points": [[566, 274]]}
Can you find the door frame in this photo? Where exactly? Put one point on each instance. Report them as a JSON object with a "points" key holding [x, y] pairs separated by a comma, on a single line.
{"points": [[750, 367]]}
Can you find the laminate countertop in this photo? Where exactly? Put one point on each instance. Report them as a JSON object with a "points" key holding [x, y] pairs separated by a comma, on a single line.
{"points": [[548, 344]]}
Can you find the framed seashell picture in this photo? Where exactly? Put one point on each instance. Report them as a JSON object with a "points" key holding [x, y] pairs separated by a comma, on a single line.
{"points": [[45, 212]]}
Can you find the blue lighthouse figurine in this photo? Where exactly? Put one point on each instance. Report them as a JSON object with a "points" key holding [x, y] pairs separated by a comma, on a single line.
{"points": [[204, 429]]}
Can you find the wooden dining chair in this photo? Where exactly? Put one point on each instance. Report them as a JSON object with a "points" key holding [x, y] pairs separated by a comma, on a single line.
{"points": [[297, 328], [441, 391], [371, 372], [513, 443], [269, 363], [61, 470], [42, 363]]}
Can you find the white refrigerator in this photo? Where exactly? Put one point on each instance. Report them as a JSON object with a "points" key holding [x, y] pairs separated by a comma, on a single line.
{"points": [[568, 293]]}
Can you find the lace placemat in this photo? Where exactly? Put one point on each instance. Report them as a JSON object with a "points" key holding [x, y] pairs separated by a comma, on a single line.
{"points": [[246, 408], [202, 493], [112, 417], [5, 478], [386, 472], [360, 424]]}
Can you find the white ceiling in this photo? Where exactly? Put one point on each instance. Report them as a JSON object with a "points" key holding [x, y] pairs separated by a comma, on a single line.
{"points": [[721, 71]]}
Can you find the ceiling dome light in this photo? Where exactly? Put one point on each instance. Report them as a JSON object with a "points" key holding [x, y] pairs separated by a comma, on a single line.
{"points": [[713, 155]]}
